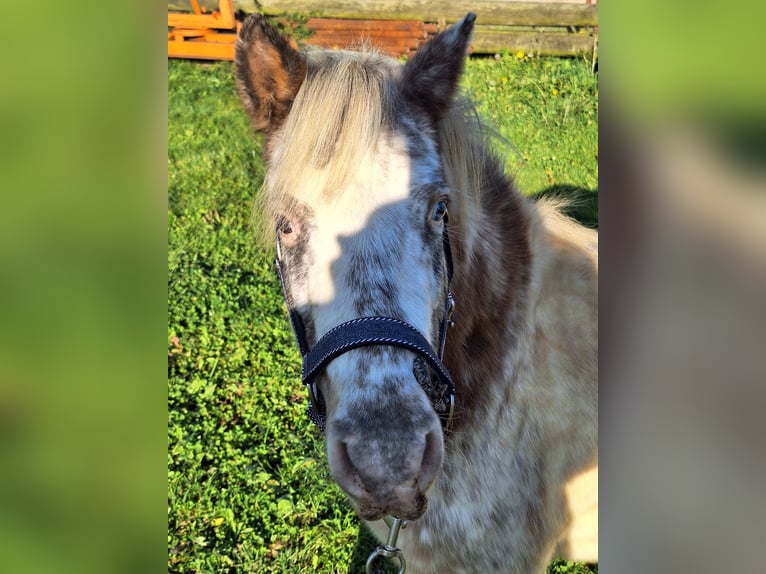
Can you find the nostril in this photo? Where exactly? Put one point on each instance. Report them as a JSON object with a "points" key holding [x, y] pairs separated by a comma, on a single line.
{"points": [[343, 469], [433, 453]]}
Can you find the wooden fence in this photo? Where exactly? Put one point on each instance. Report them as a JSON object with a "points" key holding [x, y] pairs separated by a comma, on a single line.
{"points": [[399, 27]]}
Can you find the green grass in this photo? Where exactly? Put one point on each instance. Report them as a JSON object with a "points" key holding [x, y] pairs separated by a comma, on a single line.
{"points": [[248, 486], [547, 111]]}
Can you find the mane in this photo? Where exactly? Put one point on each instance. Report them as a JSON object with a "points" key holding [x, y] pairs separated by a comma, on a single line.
{"points": [[468, 160], [347, 103]]}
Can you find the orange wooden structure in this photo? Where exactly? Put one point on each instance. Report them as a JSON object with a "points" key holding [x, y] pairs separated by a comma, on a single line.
{"points": [[393, 37], [207, 36], [212, 36]]}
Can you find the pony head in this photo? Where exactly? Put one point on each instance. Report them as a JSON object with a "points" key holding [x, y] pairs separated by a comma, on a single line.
{"points": [[358, 196]]}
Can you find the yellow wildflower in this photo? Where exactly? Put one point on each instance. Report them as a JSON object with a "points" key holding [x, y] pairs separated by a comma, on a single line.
{"points": [[217, 522], [519, 54]]}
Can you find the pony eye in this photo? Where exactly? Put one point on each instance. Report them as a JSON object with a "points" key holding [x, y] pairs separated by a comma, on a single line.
{"points": [[284, 226], [440, 211]]}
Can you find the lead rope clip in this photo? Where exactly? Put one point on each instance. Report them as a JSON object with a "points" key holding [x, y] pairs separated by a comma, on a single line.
{"points": [[389, 549]]}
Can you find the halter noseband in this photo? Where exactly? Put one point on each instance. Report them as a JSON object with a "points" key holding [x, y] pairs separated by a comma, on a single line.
{"points": [[368, 331]]}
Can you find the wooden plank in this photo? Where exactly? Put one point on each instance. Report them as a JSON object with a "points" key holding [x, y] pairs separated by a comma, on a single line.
{"points": [[394, 37], [391, 33], [339, 38], [215, 20], [346, 40], [381, 25], [210, 5], [394, 49], [183, 33], [370, 32], [487, 11], [349, 41], [215, 37], [179, 34], [538, 43], [201, 50], [222, 19]]}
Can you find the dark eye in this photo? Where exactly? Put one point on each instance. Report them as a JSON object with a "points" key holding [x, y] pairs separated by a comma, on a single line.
{"points": [[440, 211], [284, 226]]}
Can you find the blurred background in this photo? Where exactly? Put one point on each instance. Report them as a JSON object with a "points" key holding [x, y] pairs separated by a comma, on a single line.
{"points": [[683, 222]]}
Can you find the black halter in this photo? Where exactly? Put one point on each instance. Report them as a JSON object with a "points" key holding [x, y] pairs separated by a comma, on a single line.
{"points": [[367, 331]]}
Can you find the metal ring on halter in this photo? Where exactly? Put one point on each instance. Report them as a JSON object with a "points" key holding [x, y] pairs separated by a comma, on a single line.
{"points": [[313, 396], [448, 424]]}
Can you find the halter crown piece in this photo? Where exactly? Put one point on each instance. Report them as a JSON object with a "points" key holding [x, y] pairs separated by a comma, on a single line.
{"points": [[369, 331]]}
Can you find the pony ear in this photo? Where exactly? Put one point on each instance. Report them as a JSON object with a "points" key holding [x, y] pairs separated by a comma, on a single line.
{"points": [[430, 78], [269, 72]]}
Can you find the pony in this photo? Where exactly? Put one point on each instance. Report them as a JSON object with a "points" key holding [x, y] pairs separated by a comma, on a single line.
{"points": [[389, 203]]}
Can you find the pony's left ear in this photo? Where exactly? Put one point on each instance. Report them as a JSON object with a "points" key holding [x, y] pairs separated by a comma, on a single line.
{"points": [[430, 78]]}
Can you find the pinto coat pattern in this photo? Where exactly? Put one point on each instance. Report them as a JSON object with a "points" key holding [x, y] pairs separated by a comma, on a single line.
{"points": [[365, 159]]}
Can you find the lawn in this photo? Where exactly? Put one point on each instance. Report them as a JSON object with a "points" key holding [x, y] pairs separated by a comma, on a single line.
{"points": [[248, 486]]}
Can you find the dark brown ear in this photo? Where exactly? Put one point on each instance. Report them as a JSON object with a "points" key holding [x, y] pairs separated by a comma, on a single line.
{"points": [[269, 72], [430, 78]]}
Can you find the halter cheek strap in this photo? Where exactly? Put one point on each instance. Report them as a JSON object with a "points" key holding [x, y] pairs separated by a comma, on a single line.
{"points": [[371, 331], [295, 318]]}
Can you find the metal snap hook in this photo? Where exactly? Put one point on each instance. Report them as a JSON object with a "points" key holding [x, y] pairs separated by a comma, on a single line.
{"points": [[386, 552], [389, 549]]}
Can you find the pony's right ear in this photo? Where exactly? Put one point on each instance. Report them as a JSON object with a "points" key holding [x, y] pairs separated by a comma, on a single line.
{"points": [[430, 78], [269, 72]]}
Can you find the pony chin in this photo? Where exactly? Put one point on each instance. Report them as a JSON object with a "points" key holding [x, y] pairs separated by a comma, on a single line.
{"points": [[414, 508]]}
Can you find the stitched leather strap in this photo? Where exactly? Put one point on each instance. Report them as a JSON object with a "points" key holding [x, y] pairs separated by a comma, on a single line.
{"points": [[364, 332], [367, 331]]}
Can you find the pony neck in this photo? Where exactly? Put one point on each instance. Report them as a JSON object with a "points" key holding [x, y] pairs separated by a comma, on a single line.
{"points": [[492, 258]]}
